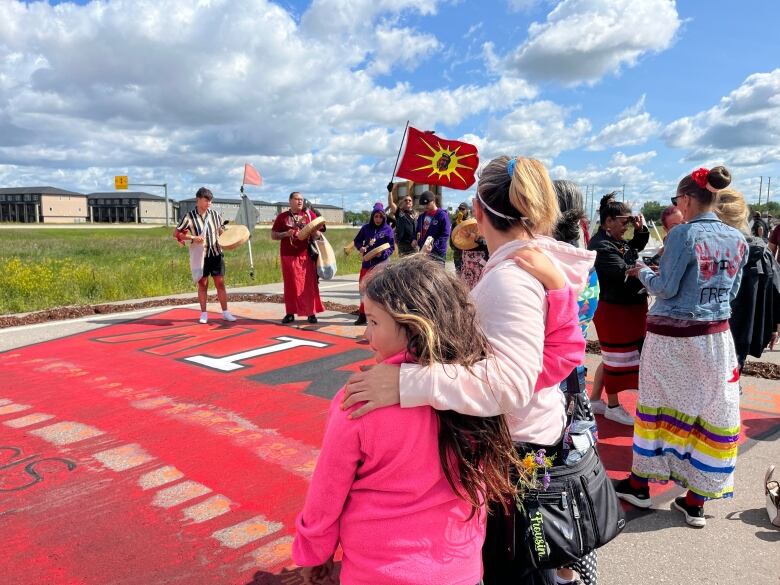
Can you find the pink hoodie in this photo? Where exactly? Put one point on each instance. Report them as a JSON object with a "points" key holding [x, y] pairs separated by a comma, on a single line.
{"points": [[379, 491], [512, 307]]}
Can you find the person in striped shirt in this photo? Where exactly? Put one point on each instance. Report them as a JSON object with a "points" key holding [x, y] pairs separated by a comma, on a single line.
{"points": [[202, 227]]}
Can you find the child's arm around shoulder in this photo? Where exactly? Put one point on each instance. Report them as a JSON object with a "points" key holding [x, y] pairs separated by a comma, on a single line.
{"points": [[317, 526]]}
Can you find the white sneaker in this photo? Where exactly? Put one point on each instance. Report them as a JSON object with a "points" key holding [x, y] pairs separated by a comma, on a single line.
{"points": [[204, 318], [619, 415], [228, 316], [598, 406]]}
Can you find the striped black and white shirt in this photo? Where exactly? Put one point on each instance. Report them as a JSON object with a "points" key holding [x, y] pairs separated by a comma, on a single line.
{"points": [[207, 226]]}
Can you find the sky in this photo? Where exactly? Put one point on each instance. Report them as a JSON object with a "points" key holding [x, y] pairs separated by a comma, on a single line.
{"points": [[611, 94]]}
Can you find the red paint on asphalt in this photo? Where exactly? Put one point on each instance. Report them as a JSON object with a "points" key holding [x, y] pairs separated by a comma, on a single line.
{"points": [[68, 518]]}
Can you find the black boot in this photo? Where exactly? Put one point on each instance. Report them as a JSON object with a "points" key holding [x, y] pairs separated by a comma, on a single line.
{"points": [[288, 318], [312, 318], [361, 320]]}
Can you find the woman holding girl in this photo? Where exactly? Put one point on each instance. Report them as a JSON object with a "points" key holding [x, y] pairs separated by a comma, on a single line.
{"points": [[515, 208], [622, 309], [687, 425]]}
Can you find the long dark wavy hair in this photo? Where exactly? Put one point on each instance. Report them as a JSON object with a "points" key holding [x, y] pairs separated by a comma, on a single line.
{"points": [[440, 321]]}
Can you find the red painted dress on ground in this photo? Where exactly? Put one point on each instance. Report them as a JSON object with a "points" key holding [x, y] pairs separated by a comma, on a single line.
{"points": [[299, 271]]}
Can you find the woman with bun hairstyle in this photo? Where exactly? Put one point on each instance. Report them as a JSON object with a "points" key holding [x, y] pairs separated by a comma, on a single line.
{"points": [[622, 309], [687, 424], [755, 312]]}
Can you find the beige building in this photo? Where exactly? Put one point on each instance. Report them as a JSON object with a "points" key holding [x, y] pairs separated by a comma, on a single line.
{"points": [[228, 208], [42, 205], [129, 207], [266, 212], [333, 215]]}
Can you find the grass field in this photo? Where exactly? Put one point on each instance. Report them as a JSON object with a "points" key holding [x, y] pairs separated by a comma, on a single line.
{"points": [[45, 268]]}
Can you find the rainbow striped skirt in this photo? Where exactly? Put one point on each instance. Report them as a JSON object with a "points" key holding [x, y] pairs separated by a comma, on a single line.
{"points": [[687, 417]]}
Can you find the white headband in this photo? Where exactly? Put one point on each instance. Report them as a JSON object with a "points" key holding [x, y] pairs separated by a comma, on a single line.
{"points": [[497, 213]]}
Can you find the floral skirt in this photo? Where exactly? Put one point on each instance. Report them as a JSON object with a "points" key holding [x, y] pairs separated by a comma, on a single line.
{"points": [[687, 416], [471, 268]]}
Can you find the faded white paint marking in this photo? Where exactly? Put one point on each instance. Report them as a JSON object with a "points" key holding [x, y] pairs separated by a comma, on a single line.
{"points": [[272, 555], [65, 433], [26, 421], [12, 408], [179, 493], [208, 509], [124, 457], [159, 477], [247, 531]]}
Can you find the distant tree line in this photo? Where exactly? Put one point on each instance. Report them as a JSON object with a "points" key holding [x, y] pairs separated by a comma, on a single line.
{"points": [[357, 217], [652, 209]]}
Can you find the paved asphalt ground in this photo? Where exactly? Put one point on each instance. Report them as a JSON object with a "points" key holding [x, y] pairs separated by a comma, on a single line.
{"points": [[737, 546]]}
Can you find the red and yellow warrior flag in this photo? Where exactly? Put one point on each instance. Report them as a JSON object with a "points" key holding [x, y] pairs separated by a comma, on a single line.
{"points": [[436, 161]]}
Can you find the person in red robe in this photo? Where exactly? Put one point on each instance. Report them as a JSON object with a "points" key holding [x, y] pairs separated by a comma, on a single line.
{"points": [[299, 271]]}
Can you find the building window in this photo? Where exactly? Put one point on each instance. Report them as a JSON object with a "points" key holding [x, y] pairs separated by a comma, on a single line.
{"points": [[418, 189]]}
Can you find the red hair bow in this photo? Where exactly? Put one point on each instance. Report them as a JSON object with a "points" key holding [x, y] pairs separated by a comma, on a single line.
{"points": [[700, 177]]}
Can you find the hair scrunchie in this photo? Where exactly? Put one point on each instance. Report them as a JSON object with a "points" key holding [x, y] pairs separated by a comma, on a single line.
{"points": [[699, 177]]}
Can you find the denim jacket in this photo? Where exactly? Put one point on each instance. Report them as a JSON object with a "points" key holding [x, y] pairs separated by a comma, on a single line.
{"points": [[700, 271]]}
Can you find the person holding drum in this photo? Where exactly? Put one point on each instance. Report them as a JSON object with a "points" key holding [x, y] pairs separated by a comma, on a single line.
{"points": [[376, 242], [294, 229], [202, 227]]}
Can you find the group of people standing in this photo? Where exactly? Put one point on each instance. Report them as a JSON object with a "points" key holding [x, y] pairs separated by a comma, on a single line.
{"points": [[471, 378]]}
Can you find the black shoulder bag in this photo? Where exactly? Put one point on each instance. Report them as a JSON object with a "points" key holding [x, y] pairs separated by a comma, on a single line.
{"points": [[577, 513]]}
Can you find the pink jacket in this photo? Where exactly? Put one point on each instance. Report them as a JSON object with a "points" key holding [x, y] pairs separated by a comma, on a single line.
{"points": [[379, 491], [512, 307]]}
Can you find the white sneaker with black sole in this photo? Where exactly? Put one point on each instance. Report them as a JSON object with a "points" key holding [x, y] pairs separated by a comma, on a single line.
{"points": [[639, 497], [619, 415], [694, 515], [598, 406]]}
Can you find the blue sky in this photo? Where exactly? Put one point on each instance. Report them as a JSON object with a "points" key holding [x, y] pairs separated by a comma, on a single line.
{"points": [[315, 94]]}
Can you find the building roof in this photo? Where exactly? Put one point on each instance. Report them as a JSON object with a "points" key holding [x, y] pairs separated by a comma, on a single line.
{"points": [[36, 190], [126, 195], [315, 205]]}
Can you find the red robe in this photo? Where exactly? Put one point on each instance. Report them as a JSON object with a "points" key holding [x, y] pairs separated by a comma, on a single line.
{"points": [[299, 272]]}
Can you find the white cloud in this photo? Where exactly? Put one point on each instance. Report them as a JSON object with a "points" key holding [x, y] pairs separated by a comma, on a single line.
{"points": [[403, 46], [633, 126], [538, 130], [742, 130], [622, 160], [584, 40], [190, 92]]}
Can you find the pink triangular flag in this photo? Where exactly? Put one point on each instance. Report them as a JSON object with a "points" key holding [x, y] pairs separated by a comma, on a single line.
{"points": [[251, 176]]}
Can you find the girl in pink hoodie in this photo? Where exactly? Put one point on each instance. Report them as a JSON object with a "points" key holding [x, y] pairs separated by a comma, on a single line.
{"points": [[402, 490]]}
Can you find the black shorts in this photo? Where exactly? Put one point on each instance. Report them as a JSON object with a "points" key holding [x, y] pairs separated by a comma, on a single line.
{"points": [[214, 266]]}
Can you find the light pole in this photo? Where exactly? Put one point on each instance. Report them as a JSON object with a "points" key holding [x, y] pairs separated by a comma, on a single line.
{"points": [[164, 186]]}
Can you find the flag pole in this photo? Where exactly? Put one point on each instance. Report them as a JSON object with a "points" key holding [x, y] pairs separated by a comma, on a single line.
{"points": [[395, 166], [249, 243]]}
